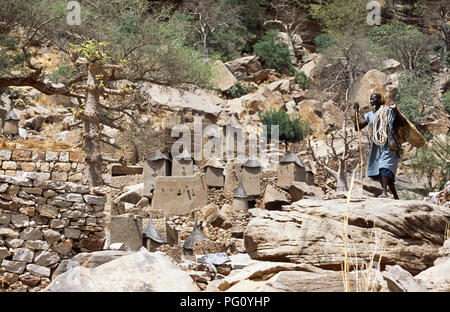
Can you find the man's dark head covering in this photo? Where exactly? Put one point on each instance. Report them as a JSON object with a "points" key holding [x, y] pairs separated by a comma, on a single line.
{"points": [[375, 98]]}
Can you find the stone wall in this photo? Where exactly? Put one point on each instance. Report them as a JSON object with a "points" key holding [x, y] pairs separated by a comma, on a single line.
{"points": [[47, 214]]}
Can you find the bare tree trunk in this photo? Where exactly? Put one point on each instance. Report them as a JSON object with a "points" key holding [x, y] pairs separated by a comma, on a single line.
{"points": [[291, 47], [204, 35], [446, 46], [205, 47], [341, 176], [92, 129]]}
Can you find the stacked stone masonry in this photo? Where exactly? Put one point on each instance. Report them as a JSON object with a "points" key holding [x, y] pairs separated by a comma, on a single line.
{"points": [[47, 213]]}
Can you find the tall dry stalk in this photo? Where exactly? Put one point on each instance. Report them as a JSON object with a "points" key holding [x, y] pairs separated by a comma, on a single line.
{"points": [[366, 277], [346, 268], [360, 152]]}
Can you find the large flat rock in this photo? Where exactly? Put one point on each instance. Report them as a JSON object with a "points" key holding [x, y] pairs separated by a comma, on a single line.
{"points": [[259, 271], [261, 276], [407, 233], [141, 271], [174, 99], [326, 281]]}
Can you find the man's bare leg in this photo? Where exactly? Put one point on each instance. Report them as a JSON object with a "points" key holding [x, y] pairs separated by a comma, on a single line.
{"points": [[384, 184], [393, 189]]}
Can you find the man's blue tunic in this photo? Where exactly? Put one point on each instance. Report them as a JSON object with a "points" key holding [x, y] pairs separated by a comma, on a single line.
{"points": [[381, 156]]}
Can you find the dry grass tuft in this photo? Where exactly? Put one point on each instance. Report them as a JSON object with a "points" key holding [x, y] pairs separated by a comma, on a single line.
{"points": [[366, 277], [346, 267]]}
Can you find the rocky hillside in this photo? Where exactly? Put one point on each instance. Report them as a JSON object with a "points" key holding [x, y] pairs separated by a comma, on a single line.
{"points": [[295, 58]]}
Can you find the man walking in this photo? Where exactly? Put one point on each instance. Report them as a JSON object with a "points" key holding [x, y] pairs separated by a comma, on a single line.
{"points": [[384, 153]]}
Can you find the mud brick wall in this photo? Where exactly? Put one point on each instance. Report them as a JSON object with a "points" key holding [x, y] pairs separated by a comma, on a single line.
{"points": [[47, 213]]}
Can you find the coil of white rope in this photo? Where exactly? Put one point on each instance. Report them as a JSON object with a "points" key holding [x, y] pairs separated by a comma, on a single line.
{"points": [[380, 133]]}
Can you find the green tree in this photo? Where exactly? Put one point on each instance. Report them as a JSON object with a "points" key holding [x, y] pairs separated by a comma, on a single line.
{"points": [[437, 13], [347, 51], [446, 101], [432, 160], [274, 52], [301, 79], [324, 42], [347, 58], [341, 16], [251, 16], [291, 17], [404, 43], [217, 25], [292, 128], [227, 43], [413, 96], [118, 45]]}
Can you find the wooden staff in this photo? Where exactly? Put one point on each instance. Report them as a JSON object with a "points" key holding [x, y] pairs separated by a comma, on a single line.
{"points": [[360, 149]]}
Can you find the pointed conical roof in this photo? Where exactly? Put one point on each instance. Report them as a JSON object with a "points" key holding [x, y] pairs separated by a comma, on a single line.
{"points": [[252, 163], [195, 236], [183, 155], [158, 156], [240, 192], [215, 163], [291, 157], [152, 233]]}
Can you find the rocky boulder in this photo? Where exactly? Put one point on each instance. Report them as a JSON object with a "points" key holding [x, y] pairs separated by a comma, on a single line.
{"points": [[437, 278], [273, 199], [288, 277], [327, 281], [373, 81], [391, 66], [88, 260], [223, 77], [321, 116], [244, 66], [399, 280], [260, 76], [176, 100], [407, 233], [257, 271], [300, 190], [132, 197], [142, 271], [310, 62], [282, 85], [263, 99]]}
